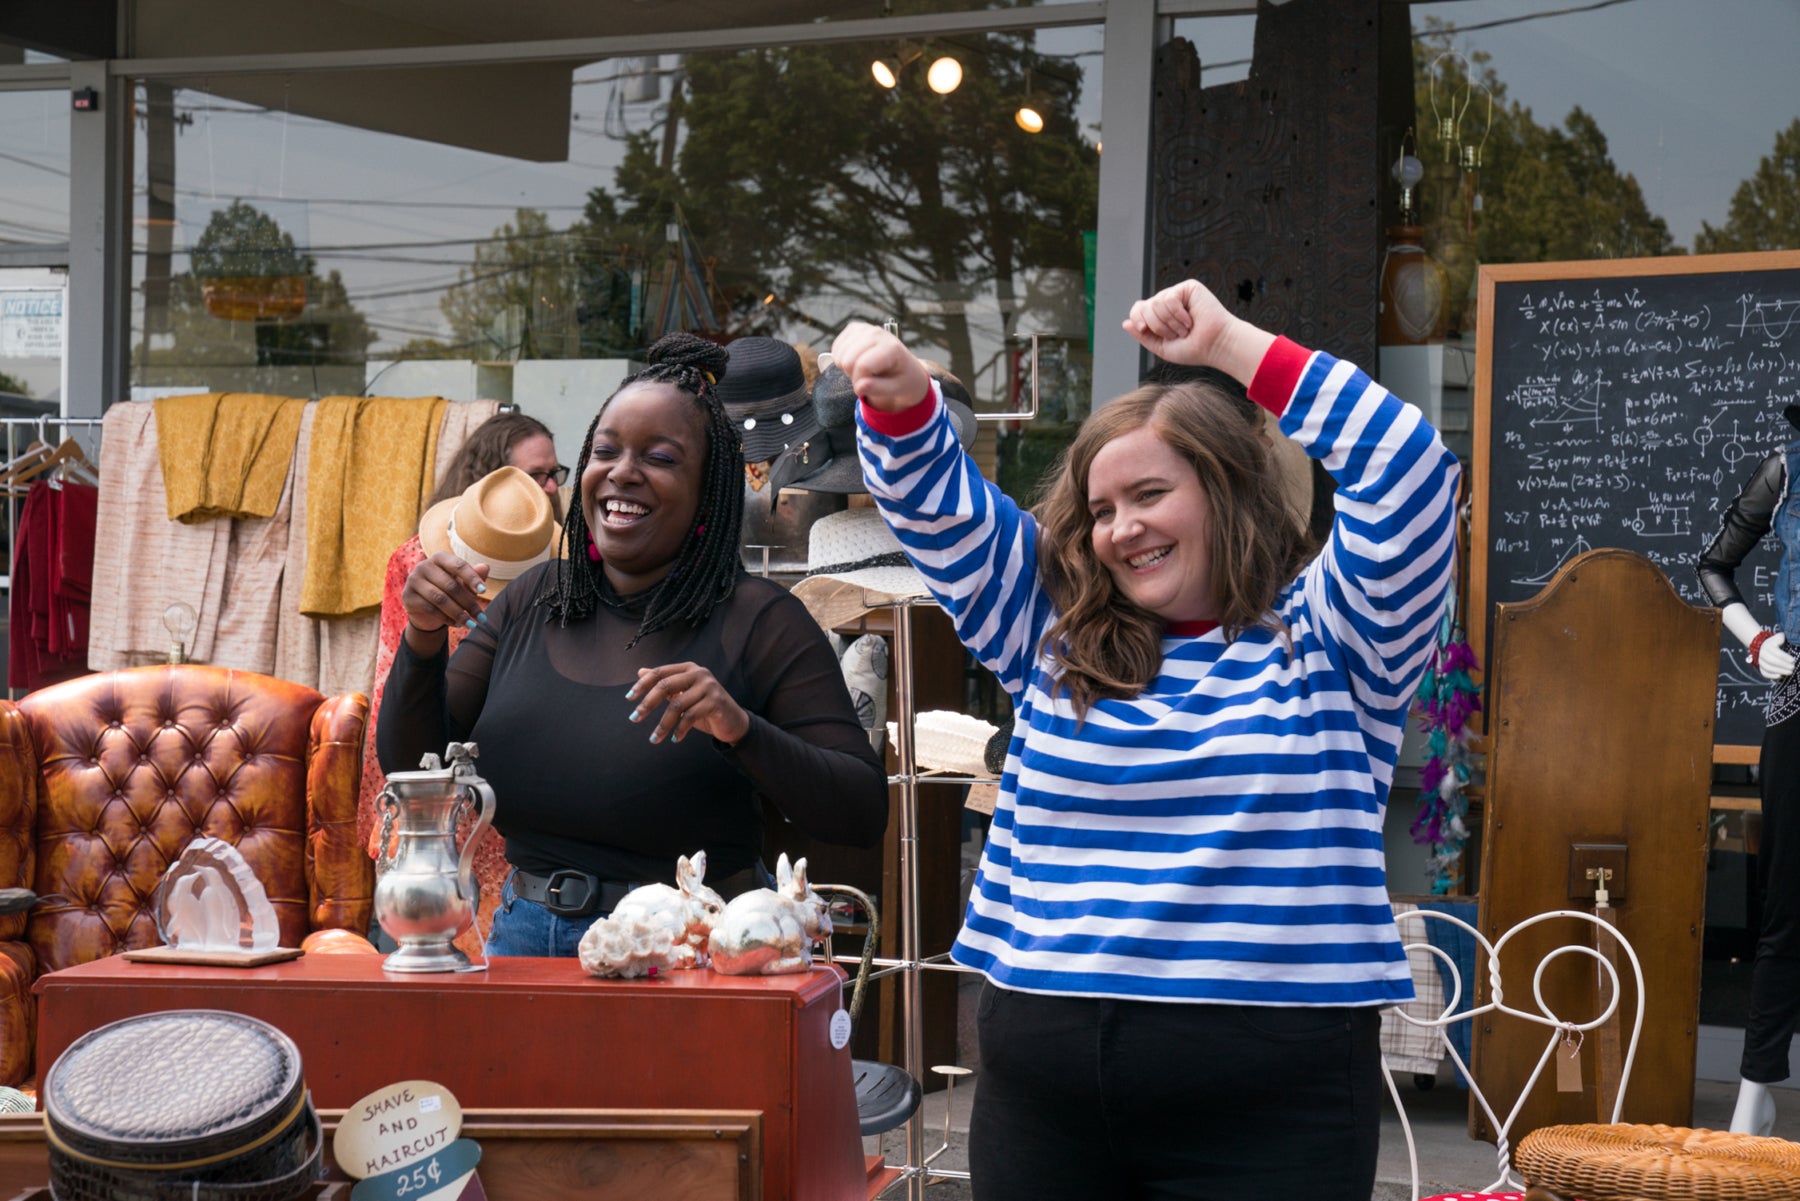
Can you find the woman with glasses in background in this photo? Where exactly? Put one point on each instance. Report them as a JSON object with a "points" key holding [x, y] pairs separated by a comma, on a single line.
{"points": [[507, 440]]}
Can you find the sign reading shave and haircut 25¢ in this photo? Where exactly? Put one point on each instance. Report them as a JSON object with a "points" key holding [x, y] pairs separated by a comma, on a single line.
{"points": [[396, 1127]]}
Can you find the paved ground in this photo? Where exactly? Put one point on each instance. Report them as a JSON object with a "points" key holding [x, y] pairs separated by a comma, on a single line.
{"points": [[1449, 1161]]}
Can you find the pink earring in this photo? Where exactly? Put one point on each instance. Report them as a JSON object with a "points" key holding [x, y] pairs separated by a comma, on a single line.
{"points": [[593, 550], [700, 530]]}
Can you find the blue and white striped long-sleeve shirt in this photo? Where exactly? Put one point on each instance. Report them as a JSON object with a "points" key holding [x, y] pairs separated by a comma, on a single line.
{"points": [[1216, 838]]}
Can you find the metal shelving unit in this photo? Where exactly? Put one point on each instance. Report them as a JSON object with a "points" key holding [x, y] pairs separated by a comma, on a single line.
{"points": [[911, 964]]}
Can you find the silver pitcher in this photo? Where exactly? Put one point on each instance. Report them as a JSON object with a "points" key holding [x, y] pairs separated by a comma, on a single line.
{"points": [[425, 895]]}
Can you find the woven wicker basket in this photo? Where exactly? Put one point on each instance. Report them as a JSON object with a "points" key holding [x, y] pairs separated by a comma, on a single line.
{"points": [[1659, 1163]]}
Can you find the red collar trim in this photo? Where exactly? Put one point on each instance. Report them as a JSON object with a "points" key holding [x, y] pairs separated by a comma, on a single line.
{"points": [[1189, 629]]}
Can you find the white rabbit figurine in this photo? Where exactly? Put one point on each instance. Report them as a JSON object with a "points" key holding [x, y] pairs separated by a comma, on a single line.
{"points": [[770, 932], [687, 913]]}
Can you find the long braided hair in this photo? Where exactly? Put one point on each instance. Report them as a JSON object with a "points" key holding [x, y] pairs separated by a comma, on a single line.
{"points": [[707, 566]]}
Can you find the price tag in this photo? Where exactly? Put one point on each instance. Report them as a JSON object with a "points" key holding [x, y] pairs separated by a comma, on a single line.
{"points": [[396, 1127], [438, 1177], [1568, 1065], [840, 1030]]}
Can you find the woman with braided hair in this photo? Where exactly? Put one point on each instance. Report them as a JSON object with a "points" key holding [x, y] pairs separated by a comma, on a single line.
{"points": [[582, 680]]}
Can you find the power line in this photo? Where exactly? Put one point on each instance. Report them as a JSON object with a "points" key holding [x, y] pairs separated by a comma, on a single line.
{"points": [[1498, 21], [409, 204], [29, 162]]}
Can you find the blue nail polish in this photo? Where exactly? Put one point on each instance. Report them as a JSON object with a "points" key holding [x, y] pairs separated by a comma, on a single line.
{"points": [[480, 587], [656, 736], [481, 617], [637, 714], [470, 623]]}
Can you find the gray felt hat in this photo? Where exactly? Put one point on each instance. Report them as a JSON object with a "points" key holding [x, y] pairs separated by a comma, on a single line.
{"points": [[830, 463]]}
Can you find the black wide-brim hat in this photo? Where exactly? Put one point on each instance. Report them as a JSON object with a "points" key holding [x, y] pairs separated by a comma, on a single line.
{"points": [[834, 448], [764, 393]]}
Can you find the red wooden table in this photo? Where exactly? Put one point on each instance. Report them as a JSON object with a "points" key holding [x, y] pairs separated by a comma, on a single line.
{"points": [[529, 1033]]}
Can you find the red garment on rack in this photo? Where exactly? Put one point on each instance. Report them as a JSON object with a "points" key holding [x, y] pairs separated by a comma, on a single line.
{"points": [[52, 579]]}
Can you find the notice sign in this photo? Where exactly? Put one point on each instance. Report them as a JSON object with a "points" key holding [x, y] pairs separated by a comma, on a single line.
{"points": [[400, 1126], [31, 325]]}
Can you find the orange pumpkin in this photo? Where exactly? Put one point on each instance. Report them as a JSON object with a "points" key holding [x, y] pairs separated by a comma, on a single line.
{"points": [[337, 942]]}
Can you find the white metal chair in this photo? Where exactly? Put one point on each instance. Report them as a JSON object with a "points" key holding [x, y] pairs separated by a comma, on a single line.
{"points": [[1558, 1026]]}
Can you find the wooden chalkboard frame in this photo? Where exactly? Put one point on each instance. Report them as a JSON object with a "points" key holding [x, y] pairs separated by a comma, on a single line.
{"points": [[1563, 272]]}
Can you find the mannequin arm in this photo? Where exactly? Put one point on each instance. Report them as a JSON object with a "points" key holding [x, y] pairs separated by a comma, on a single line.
{"points": [[1775, 661]]}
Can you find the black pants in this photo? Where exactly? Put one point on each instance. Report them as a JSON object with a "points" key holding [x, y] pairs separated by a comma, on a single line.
{"points": [[1117, 1100], [1775, 976]]}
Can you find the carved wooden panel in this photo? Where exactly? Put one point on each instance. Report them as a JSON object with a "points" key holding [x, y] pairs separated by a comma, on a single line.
{"points": [[1269, 190]]}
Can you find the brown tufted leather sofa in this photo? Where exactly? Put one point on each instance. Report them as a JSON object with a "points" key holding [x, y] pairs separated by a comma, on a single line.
{"points": [[105, 779]]}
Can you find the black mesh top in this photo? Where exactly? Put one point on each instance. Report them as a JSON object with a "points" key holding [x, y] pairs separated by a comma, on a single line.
{"points": [[578, 785], [1750, 516]]}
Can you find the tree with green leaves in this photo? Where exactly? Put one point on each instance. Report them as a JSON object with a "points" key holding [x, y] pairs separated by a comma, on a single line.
{"points": [[517, 299], [242, 241], [321, 349], [14, 385], [1765, 209], [820, 196]]}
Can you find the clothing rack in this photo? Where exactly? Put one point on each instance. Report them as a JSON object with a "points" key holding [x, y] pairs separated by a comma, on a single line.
{"points": [[21, 432], [17, 433]]}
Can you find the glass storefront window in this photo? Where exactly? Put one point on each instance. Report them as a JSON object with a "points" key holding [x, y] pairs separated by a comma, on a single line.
{"points": [[1621, 131], [34, 233], [1224, 45], [34, 167], [442, 241], [1547, 134]]}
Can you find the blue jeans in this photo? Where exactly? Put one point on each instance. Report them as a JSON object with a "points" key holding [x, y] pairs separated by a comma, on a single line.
{"points": [[524, 927]]}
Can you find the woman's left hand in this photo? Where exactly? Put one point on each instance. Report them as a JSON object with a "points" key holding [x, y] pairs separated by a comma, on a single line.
{"points": [[694, 700]]}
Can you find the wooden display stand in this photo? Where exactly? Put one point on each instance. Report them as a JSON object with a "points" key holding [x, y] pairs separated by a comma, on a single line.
{"points": [[533, 1034], [526, 1155], [1601, 729]]}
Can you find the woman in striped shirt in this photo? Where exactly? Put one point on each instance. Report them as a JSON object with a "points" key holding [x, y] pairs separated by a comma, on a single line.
{"points": [[1181, 910]]}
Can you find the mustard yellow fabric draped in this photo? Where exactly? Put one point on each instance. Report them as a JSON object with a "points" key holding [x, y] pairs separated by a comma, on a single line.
{"points": [[369, 475], [225, 454]]}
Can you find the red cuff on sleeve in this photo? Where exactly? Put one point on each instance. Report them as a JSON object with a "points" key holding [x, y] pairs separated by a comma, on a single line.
{"points": [[1278, 375], [909, 420]]}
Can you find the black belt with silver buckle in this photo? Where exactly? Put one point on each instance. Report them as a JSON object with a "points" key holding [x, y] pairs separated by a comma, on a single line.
{"points": [[569, 893]]}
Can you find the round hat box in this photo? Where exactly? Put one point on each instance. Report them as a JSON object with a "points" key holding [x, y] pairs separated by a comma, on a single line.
{"points": [[195, 1104]]}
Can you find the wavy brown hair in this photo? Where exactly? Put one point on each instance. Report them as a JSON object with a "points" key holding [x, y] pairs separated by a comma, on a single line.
{"points": [[1103, 644]]}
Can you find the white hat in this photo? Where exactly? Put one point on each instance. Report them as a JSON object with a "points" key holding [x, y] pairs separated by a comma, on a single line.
{"points": [[944, 740], [854, 564]]}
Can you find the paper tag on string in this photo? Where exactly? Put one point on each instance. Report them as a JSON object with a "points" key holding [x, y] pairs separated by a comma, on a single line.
{"points": [[1568, 1063]]}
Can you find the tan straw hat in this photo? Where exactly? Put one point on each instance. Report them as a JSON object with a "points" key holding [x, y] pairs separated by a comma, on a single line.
{"points": [[503, 519], [854, 564]]}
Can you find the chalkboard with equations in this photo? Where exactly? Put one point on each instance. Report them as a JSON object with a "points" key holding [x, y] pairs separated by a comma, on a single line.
{"points": [[1625, 402]]}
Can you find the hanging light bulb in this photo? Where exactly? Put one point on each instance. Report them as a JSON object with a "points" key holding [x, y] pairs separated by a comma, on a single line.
{"points": [[886, 72], [1448, 119], [1407, 172], [1029, 118], [179, 619], [945, 75]]}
